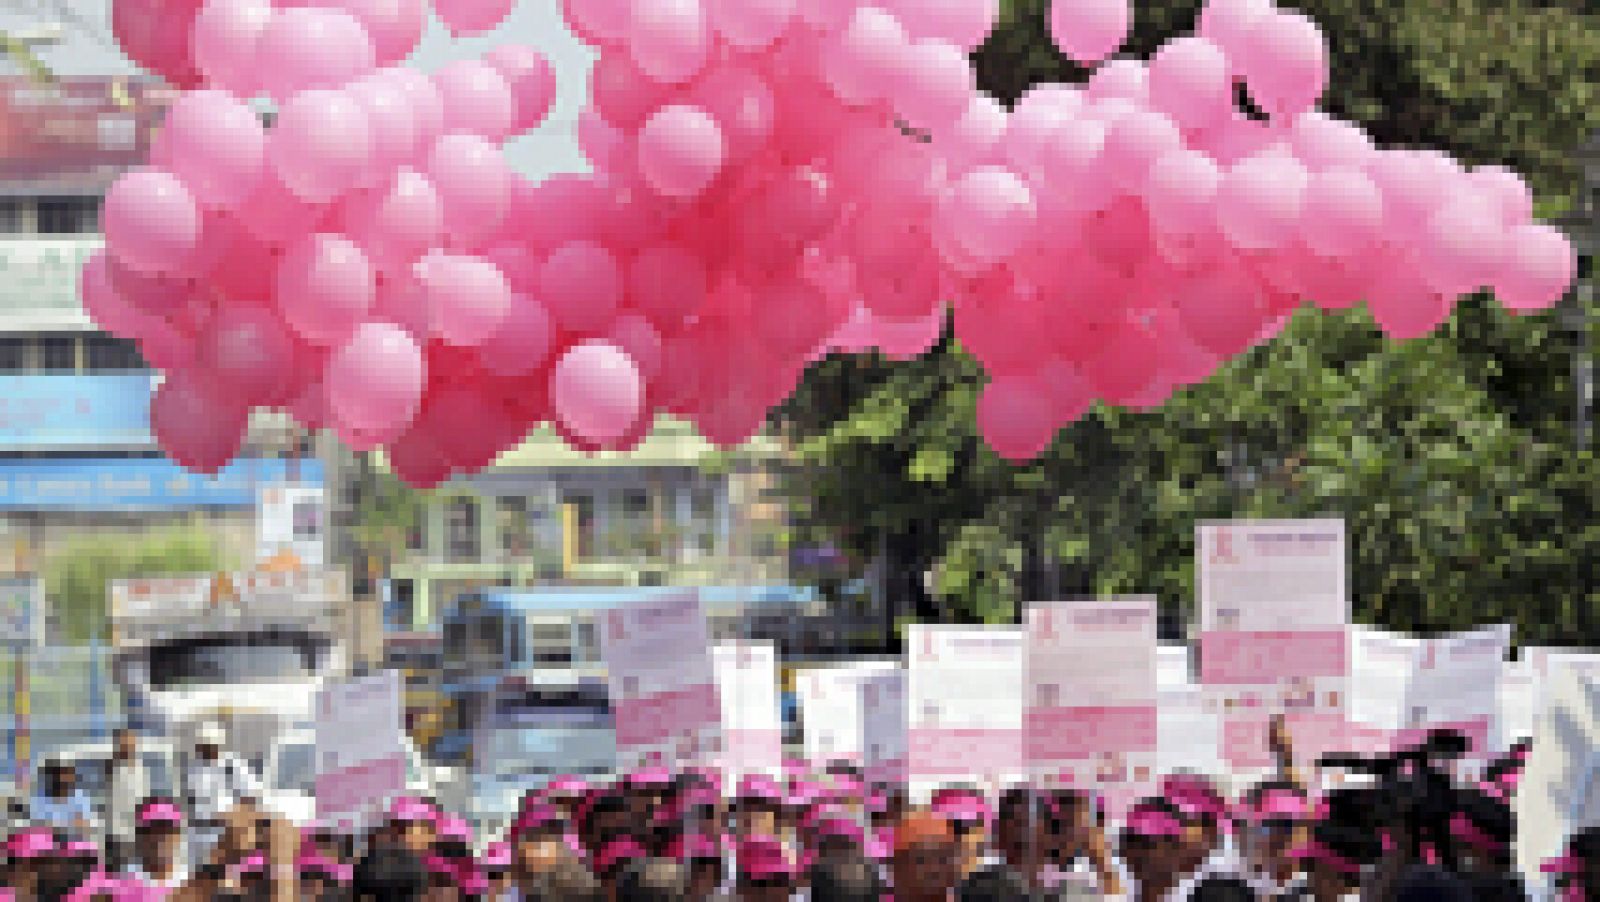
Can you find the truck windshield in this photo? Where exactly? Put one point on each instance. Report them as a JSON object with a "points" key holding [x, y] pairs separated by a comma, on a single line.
{"points": [[219, 658]]}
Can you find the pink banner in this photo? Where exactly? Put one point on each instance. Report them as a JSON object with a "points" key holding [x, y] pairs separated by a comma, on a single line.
{"points": [[1244, 738], [654, 718], [352, 791], [1060, 734], [1255, 658], [964, 751]]}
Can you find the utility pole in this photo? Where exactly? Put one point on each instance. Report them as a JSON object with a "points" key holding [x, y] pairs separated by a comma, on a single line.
{"points": [[1583, 228]]}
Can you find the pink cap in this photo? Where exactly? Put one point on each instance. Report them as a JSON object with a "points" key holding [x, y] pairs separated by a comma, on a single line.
{"points": [[80, 848], [1278, 804], [440, 866], [1567, 864], [316, 863], [617, 852], [567, 786], [453, 829], [840, 827], [410, 810], [1194, 795], [653, 777], [159, 814], [756, 787], [536, 817], [794, 768], [1152, 822], [30, 843], [880, 845], [497, 856], [763, 858], [254, 863], [693, 847], [964, 806], [802, 794]]}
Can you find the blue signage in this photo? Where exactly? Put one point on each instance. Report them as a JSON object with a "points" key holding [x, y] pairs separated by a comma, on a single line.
{"points": [[154, 483], [55, 411]]}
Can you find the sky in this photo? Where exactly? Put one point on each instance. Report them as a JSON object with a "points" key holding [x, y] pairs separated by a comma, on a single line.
{"points": [[550, 149]]}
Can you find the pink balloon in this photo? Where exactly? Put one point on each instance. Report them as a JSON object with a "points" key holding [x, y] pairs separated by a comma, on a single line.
{"points": [[1227, 24], [1343, 212], [750, 24], [1463, 247], [151, 221], [1506, 191], [581, 285], [1402, 304], [1221, 311], [1538, 268], [641, 341], [598, 21], [218, 146], [249, 352], [1089, 30], [1014, 417], [1285, 63], [795, 317], [1181, 191], [467, 297], [477, 100], [305, 47], [523, 340], [427, 109], [976, 137], [392, 121], [225, 36], [667, 284], [324, 288], [1323, 142], [402, 299], [474, 186], [470, 17], [965, 23], [320, 145], [375, 380], [680, 151], [669, 39], [990, 212], [1123, 361], [596, 391], [108, 307], [1260, 200], [933, 84], [1189, 82], [195, 425], [275, 213], [1133, 144], [622, 94], [532, 81], [396, 222], [1118, 79], [864, 57], [743, 106], [395, 26]]}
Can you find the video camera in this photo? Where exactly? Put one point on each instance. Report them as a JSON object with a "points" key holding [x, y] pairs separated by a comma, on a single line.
{"points": [[1414, 796]]}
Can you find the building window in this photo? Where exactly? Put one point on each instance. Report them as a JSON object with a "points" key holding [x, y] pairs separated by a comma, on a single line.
{"points": [[69, 215], [702, 526], [632, 526], [13, 355], [583, 522], [108, 354], [550, 643], [585, 642], [461, 529], [58, 353], [13, 216], [512, 522]]}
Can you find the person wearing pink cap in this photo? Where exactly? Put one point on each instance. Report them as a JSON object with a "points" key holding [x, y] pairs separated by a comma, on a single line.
{"points": [[158, 845], [611, 859], [765, 872], [1273, 818], [760, 802], [703, 858], [28, 852], [538, 841], [969, 818], [411, 824], [1153, 849], [444, 879]]}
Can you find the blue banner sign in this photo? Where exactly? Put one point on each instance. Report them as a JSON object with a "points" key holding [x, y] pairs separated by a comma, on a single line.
{"points": [[141, 484], [55, 411]]}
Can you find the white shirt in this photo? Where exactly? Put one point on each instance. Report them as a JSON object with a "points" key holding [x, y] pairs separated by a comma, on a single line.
{"points": [[214, 787], [130, 785], [180, 876]]}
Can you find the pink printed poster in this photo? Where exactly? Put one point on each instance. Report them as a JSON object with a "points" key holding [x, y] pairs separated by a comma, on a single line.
{"points": [[1406, 686], [830, 709], [1089, 719], [882, 707], [964, 706], [1274, 616], [662, 682], [752, 727]]}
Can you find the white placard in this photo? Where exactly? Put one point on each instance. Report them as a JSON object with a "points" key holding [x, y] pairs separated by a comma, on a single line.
{"points": [[1188, 736], [883, 725], [663, 685], [1090, 703], [1409, 685], [830, 709], [1559, 792], [964, 694], [292, 517], [1173, 666], [752, 725], [361, 757], [1519, 693]]}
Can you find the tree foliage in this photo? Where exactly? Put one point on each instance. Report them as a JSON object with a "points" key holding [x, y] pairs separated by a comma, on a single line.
{"points": [[78, 574], [1452, 457]]}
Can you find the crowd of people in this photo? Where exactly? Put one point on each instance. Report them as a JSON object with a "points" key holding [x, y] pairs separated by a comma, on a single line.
{"points": [[1411, 833]]}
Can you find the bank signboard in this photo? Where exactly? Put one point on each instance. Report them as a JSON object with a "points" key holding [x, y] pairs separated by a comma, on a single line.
{"points": [[68, 411]]}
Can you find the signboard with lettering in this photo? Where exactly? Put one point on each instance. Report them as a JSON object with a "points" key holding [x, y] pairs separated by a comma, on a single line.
{"points": [[57, 411], [21, 611], [39, 278], [964, 694], [289, 518], [361, 757], [663, 685], [77, 126], [154, 483]]}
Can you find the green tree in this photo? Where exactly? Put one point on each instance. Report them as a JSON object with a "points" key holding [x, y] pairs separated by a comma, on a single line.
{"points": [[77, 575], [1451, 457]]}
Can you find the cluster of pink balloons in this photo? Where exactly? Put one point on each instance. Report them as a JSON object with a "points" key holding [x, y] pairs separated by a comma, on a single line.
{"points": [[773, 180]]}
